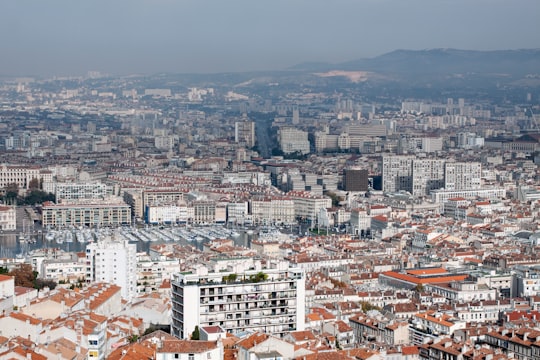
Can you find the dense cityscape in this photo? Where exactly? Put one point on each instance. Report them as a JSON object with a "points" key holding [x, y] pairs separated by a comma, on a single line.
{"points": [[292, 215]]}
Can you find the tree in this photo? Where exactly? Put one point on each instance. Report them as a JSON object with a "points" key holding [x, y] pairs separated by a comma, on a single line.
{"points": [[335, 198], [230, 278], [133, 338], [41, 283], [34, 184], [12, 191], [367, 306], [38, 197], [258, 277], [24, 275], [196, 335], [4, 271]]}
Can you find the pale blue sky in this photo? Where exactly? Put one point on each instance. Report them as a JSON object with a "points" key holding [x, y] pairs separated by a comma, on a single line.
{"points": [[70, 37]]}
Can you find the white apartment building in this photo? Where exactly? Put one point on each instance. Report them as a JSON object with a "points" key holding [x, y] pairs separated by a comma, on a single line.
{"points": [[266, 300], [7, 286], [164, 142], [344, 141], [21, 175], [152, 272], [463, 291], [166, 214], [8, 218], [462, 175], [237, 211], [63, 269], [81, 191], [244, 133], [427, 175], [431, 324], [421, 177], [360, 220], [441, 196], [204, 212], [293, 140], [411, 145], [307, 205], [526, 281], [113, 261], [453, 208], [273, 210], [397, 173]]}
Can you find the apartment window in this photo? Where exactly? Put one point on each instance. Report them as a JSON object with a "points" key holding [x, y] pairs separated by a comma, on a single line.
{"points": [[191, 357], [177, 356]]}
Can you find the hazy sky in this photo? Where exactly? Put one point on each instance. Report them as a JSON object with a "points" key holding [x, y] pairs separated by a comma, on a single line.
{"points": [[70, 37]]}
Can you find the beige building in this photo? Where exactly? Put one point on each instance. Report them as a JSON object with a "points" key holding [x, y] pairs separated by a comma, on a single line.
{"points": [[8, 217], [85, 215], [272, 210]]}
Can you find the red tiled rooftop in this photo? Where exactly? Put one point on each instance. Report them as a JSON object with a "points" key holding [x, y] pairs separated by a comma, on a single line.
{"points": [[428, 271]]}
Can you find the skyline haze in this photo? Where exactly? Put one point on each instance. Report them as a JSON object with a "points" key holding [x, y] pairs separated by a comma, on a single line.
{"points": [[141, 36]]}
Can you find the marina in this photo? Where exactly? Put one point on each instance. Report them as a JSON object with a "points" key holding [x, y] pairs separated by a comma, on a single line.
{"points": [[75, 239]]}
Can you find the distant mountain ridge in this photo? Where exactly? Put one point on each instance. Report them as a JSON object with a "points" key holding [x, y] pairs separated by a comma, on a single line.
{"points": [[440, 62]]}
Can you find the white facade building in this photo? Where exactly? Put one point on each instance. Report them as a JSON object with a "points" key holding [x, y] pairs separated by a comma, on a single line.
{"points": [[293, 140], [307, 205], [397, 173], [115, 262], [427, 175], [81, 191], [8, 218], [462, 175], [170, 214], [266, 300]]}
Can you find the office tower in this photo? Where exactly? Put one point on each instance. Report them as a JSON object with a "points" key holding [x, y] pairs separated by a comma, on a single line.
{"points": [[293, 140], [113, 261], [295, 116], [267, 300], [428, 174], [90, 127], [397, 173], [462, 175], [244, 133], [355, 180]]}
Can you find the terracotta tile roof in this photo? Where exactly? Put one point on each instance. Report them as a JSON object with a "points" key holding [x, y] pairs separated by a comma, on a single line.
{"points": [[230, 354], [186, 346], [429, 280], [24, 318], [427, 271], [325, 355], [67, 348], [342, 326], [101, 293], [70, 298], [20, 290], [212, 329], [313, 317], [409, 350], [25, 353], [302, 335], [97, 318], [5, 278], [133, 351], [442, 320], [360, 353], [252, 340]]}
